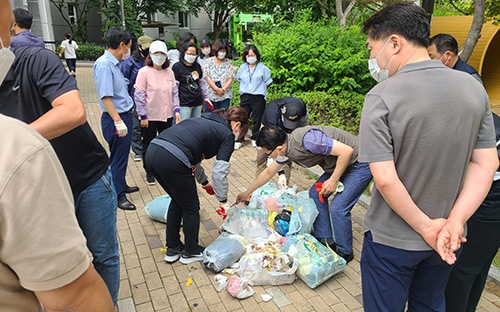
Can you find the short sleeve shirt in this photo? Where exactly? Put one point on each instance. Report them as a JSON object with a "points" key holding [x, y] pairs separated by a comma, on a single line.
{"points": [[219, 74], [42, 246], [69, 49], [110, 82], [427, 119], [35, 80]]}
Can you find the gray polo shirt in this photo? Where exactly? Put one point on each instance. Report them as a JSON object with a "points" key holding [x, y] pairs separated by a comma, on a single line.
{"points": [[427, 119]]}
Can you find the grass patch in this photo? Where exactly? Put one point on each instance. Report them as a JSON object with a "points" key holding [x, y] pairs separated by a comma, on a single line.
{"points": [[496, 260]]}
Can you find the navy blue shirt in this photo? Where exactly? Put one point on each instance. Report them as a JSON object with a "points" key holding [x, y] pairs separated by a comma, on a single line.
{"points": [[37, 78]]}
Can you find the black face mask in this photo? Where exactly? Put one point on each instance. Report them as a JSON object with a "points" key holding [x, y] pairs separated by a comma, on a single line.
{"points": [[145, 52]]}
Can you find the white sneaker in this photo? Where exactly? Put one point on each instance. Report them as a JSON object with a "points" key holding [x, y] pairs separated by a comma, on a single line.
{"points": [[237, 145], [254, 144]]}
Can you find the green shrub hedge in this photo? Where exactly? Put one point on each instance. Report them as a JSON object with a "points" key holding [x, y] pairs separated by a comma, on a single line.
{"points": [[87, 51], [341, 110]]}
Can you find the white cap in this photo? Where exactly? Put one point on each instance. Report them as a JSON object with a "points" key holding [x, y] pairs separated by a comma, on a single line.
{"points": [[158, 46]]}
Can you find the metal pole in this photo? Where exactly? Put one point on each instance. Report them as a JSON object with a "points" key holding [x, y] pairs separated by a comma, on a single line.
{"points": [[122, 11]]}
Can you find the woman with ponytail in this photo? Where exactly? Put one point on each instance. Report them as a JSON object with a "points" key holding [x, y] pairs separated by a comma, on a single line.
{"points": [[69, 47]]}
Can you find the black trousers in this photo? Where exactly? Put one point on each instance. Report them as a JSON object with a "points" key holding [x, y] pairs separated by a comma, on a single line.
{"points": [[468, 277], [71, 63], [148, 134], [178, 181], [255, 106]]}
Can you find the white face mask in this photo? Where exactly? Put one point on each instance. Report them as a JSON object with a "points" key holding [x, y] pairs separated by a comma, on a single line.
{"points": [[251, 60], [6, 60], [441, 59], [377, 73], [221, 55], [158, 59], [190, 58], [205, 51], [125, 55]]}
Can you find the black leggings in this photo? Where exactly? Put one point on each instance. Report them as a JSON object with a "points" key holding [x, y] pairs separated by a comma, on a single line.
{"points": [[148, 134], [178, 181]]}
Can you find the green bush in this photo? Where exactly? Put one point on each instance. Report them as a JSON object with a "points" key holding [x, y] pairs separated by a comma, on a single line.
{"points": [[341, 110], [87, 51], [315, 56]]}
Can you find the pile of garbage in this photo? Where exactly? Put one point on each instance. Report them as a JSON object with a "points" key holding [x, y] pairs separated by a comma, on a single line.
{"points": [[269, 243]]}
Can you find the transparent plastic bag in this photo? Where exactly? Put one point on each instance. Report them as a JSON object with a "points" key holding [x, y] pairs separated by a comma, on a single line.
{"points": [[249, 223], [223, 252], [261, 194], [306, 211], [316, 263], [157, 209], [268, 268], [238, 287]]}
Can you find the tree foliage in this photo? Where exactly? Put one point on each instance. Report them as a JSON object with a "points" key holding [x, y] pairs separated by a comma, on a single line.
{"points": [[78, 29], [304, 56]]}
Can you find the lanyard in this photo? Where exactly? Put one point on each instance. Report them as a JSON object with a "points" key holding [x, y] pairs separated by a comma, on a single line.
{"points": [[250, 73]]}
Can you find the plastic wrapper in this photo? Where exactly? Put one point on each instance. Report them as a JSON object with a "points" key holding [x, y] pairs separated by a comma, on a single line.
{"points": [[223, 252], [238, 287], [157, 209], [268, 268], [316, 263], [249, 223]]}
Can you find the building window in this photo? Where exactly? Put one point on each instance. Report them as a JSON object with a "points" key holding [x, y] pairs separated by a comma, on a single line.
{"points": [[72, 14], [183, 20]]}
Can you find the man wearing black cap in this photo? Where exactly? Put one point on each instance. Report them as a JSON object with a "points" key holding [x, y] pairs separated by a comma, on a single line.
{"points": [[288, 113]]}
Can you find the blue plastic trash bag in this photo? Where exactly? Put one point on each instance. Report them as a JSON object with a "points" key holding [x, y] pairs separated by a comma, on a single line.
{"points": [[157, 209], [224, 251], [316, 262]]}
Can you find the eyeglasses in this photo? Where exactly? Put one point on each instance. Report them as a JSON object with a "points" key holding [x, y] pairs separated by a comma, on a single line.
{"points": [[269, 154]]}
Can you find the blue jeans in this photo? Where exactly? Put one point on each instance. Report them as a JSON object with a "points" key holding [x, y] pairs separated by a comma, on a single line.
{"points": [[355, 179], [119, 149], [190, 111], [392, 276], [95, 209]]}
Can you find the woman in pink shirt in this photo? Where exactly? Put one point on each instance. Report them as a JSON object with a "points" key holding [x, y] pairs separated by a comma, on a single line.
{"points": [[156, 97]]}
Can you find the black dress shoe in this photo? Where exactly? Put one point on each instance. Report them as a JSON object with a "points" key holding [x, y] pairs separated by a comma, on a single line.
{"points": [[131, 189], [126, 205]]}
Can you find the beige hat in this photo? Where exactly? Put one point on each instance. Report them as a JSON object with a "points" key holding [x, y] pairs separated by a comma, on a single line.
{"points": [[144, 41]]}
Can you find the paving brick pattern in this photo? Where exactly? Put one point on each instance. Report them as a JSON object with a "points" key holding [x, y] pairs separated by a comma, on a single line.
{"points": [[148, 283]]}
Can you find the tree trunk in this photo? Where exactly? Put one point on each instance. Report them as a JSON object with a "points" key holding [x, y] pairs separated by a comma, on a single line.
{"points": [[428, 6], [475, 30], [341, 13]]}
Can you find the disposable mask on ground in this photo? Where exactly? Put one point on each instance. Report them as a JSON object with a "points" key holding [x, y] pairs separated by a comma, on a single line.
{"points": [[251, 60], [6, 60], [190, 58], [221, 55], [158, 59]]}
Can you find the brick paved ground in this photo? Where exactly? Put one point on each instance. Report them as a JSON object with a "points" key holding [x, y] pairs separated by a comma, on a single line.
{"points": [[148, 283]]}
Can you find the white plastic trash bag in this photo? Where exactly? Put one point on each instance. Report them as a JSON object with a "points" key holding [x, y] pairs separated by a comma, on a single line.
{"points": [[268, 268], [157, 209]]}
